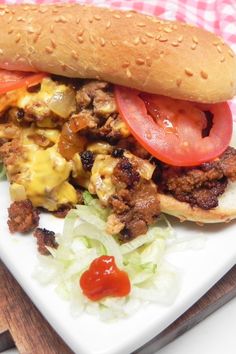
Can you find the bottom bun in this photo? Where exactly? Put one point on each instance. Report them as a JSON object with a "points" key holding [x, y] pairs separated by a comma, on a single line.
{"points": [[225, 212]]}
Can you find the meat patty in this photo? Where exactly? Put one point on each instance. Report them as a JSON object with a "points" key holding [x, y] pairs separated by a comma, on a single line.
{"points": [[96, 105], [23, 217], [200, 186], [45, 238], [135, 203], [136, 208]]}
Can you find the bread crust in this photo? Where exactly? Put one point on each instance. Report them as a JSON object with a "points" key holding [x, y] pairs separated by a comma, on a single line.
{"points": [[225, 212], [125, 48]]}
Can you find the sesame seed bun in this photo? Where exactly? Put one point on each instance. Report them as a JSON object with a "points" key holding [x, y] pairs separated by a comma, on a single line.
{"points": [[126, 48]]}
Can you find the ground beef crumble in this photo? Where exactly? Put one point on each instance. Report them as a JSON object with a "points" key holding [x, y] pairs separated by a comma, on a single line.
{"points": [[136, 208], [45, 238], [62, 211], [135, 204], [125, 172], [23, 217], [199, 186]]}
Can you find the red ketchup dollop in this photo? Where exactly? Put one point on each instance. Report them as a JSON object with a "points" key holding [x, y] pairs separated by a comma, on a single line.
{"points": [[104, 278]]}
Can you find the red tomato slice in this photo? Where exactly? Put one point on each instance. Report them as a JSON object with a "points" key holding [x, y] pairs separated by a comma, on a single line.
{"points": [[172, 131], [12, 80]]}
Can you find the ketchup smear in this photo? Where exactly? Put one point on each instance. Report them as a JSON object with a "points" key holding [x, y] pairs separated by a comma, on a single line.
{"points": [[103, 278]]}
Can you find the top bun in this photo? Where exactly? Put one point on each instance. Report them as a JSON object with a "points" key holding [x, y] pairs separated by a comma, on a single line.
{"points": [[122, 47]]}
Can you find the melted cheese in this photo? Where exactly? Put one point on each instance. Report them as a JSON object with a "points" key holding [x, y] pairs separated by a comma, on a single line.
{"points": [[101, 179], [43, 174]]}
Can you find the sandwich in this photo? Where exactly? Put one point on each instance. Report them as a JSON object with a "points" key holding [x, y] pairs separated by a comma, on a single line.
{"points": [[130, 107]]}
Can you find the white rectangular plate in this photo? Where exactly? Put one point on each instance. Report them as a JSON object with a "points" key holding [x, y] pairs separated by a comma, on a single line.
{"points": [[200, 269]]}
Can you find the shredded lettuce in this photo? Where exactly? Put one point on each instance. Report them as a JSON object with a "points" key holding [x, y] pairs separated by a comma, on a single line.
{"points": [[84, 238]]}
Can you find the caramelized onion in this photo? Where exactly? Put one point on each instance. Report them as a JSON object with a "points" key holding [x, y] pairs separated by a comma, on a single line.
{"points": [[63, 103], [70, 142]]}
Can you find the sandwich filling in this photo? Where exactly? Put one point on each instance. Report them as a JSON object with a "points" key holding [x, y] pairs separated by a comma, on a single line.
{"points": [[62, 136]]}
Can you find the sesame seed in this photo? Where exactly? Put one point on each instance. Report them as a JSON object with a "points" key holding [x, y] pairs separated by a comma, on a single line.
{"points": [[20, 19], [53, 43], [157, 37], [222, 59], [55, 11], [180, 38], [139, 61], [43, 10], [116, 16], [90, 20], [167, 29], [149, 61], [102, 42], [49, 50], [9, 19], [194, 39], [175, 44], [204, 75], [1, 51], [231, 53], [108, 25], [77, 21], [80, 39], [52, 28], [178, 82], [194, 46], [74, 55], [31, 49], [91, 38], [10, 30], [188, 72], [136, 40], [63, 66], [113, 43], [128, 73], [36, 37], [174, 27], [61, 19], [215, 43], [97, 17], [140, 24], [2, 12], [81, 32], [149, 35], [18, 37], [219, 50], [30, 30], [126, 64], [143, 40], [128, 15], [163, 39]]}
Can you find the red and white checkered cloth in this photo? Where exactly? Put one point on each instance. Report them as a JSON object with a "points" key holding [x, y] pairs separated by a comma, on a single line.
{"points": [[218, 16]]}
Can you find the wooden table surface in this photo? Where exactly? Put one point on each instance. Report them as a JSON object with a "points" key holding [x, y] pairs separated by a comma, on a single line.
{"points": [[22, 325]]}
